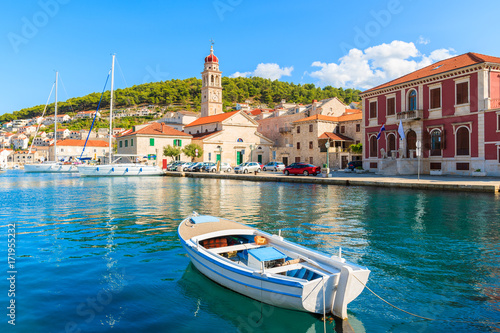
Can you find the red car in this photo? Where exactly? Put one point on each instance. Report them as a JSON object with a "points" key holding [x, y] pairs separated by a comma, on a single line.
{"points": [[302, 169]]}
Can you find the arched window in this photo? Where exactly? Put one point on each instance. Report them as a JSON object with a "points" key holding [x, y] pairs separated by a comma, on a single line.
{"points": [[412, 100], [212, 80], [373, 146], [462, 137], [436, 142], [239, 140], [411, 142], [391, 143]]}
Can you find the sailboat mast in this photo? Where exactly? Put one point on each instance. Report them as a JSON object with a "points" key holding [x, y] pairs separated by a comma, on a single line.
{"points": [[111, 108], [55, 123]]}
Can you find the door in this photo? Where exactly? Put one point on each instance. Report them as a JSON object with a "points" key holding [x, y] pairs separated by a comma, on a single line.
{"points": [[411, 142], [239, 157], [259, 158], [344, 162], [285, 160]]}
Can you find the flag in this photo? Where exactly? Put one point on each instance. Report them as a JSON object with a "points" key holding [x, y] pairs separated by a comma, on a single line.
{"points": [[380, 132], [401, 131]]}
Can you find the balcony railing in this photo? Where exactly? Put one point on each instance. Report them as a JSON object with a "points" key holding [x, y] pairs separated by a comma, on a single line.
{"points": [[410, 115], [285, 129]]}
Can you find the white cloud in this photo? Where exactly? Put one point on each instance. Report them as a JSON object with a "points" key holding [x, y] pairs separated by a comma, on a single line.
{"points": [[375, 65], [267, 71], [238, 74], [423, 40]]}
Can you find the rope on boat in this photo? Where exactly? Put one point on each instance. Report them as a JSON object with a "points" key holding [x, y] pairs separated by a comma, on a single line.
{"points": [[426, 318]]}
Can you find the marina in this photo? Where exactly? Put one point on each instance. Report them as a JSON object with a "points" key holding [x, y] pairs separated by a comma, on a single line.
{"points": [[100, 254]]}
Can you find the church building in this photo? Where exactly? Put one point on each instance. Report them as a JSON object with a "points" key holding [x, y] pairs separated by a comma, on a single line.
{"points": [[230, 137]]}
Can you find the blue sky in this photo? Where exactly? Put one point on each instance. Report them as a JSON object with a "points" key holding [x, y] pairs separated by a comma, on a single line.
{"points": [[355, 44]]}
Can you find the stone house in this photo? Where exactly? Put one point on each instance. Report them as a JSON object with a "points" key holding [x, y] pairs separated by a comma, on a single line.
{"points": [[149, 140]]}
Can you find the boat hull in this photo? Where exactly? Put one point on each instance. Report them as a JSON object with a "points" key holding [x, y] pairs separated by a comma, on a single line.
{"points": [[258, 286], [50, 168], [307, 281], [119, 170]]}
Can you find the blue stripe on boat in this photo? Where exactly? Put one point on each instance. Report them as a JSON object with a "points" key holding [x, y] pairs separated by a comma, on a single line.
{"points": [[245, 284]]}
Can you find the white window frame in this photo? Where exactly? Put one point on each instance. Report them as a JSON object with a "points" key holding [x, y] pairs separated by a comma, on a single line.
{"points": [[432, 87], [370, 101], [456, 127], [388, 97], [458, 81], [407, 108]]}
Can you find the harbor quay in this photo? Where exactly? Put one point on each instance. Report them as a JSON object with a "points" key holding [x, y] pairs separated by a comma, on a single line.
{"points": [[425, 182]]}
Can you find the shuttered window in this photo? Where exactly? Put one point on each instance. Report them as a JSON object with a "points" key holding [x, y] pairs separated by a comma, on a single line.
{"points": [[373, 146], [462, 93], [463, 141], [373, 109], [435, 98], [391, 106], [151, 142]]}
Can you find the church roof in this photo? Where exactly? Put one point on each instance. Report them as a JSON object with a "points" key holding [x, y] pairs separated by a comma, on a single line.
{"points": [[158, 129], [211, 57], [217, 118]]}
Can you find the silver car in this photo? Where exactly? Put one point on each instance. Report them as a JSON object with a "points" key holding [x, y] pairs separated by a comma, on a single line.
{"points": [[274, 166], [226, 167], [247, 167]]}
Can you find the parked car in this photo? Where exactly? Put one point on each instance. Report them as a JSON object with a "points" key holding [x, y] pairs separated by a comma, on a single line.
{"points": [[206, 166], [173, 166], [226, 167], [274, 166], [302, 169], [194, 165], [184, 166], [247, 167], [199, 167], [354, 164]]}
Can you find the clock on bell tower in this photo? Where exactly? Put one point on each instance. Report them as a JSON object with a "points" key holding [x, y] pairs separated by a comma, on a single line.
{"points": [[211, 86]]}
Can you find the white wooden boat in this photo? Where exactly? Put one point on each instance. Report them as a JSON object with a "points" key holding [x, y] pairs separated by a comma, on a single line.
{"points": [[269, 268], [124, 169], [50, 167]]}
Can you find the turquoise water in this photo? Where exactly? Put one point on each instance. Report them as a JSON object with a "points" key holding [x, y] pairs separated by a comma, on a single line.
{"points": [[102, 254]]}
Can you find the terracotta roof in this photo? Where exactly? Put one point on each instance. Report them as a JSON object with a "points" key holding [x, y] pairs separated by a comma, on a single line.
{"points": [[439, 67], [81, 143], [353, 116], [212, 119], [334, 137], [61, 129], [255, 112], [85, 112], [317, 117], [158, 129], [202, 136]]}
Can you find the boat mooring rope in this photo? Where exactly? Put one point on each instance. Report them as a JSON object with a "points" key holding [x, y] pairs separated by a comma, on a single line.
{"points": [[426, 318]]}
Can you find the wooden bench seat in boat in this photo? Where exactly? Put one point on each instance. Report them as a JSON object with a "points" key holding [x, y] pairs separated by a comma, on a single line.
{"points": [[231, 248]]}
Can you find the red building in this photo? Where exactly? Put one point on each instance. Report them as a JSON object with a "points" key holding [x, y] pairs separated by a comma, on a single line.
{"points": [[450, 108]]}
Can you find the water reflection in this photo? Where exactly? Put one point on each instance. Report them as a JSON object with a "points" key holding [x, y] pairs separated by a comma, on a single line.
{"points": [[430, 252]]}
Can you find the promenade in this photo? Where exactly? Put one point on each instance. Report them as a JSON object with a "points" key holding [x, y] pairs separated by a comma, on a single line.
{"points": [[426, 182]]}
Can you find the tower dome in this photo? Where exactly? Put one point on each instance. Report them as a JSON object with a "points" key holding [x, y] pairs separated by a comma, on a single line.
{"points": [[211, 57]]}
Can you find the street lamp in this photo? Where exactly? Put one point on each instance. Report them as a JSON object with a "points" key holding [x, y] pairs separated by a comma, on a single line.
{"points": [[251, 153], [327, 145]]}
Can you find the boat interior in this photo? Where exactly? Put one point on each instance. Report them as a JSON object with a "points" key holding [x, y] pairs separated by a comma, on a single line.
{"points": [[259, 253]]}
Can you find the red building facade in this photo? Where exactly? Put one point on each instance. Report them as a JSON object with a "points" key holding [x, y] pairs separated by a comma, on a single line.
{"points": [[451, 109]]}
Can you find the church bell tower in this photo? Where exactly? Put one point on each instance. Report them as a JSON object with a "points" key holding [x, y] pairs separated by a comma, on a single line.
{"points": [[211, 86]]}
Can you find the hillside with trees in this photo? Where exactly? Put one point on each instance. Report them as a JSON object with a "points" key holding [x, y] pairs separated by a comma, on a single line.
{"points": [[186, 94]]}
